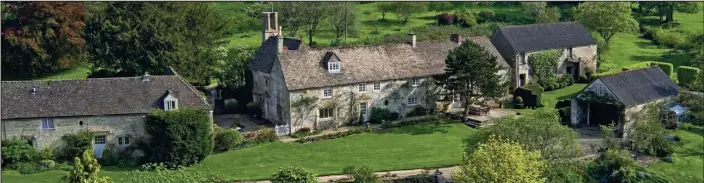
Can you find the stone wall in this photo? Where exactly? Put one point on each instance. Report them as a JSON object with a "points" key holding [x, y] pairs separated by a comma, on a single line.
{"points": [[632, 112], [587, 53], [269, 90], [112, 126], [393, 95]]}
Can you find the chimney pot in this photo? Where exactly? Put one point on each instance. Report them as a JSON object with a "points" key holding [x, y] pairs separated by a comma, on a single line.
{"points": [[280, 43], [412, 39], [145, 77]]}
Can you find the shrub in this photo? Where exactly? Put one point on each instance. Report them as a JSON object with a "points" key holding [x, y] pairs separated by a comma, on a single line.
{"points": [[666, 67], [231, 105], [253, 109], [363, 174], [47, 164], [180, 137], [46, 153], [16, 151], [649, 32], [486, 15], [520, 106], [226, 139], [530, 94], [550, 87], [304, 132], [27, 167], [409, 122], [669, 38], [686, 74], [518, 100], [267, 135], [158, 173], [294, 174], [335, 135], [75, 144], [417, 111], [126, 162], [380, 114], [108, 158]]}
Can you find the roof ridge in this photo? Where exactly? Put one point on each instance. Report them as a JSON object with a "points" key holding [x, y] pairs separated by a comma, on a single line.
{"points": [[528, 25], [190, 87], [83, 79]]}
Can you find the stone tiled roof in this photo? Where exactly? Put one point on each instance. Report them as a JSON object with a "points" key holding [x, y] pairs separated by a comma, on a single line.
{"points": [[640, 86], [94, 96], [534, 37], [303, 68]]}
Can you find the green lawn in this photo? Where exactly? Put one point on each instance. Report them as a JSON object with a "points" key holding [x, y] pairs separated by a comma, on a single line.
{"points": [[409, 147], [688, 163], [550, 98]]}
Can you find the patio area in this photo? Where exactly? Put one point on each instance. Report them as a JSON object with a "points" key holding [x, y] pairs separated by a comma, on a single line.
{"points": [[480, 120]]}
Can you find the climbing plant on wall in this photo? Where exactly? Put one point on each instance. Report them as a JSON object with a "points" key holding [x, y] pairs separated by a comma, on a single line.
{"points": [[543, 65], [591, 96], [303, 107]]}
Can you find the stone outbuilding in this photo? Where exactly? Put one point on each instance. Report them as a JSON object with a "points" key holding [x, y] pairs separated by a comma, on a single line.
{"points": [[114, 109], [619, 98]]}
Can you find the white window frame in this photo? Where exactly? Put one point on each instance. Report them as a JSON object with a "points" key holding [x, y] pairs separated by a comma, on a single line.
{"points": [[327, 92], [362, 87], [329, 110], [170, 105], [363, 108], [47, 124], [100, 139], [377, 86], [412, 100], [124, 141], [334, 66], [415, 81]]}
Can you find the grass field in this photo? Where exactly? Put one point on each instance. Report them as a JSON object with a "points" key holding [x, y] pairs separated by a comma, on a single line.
{"points": [[408, 147], [688, 159]]}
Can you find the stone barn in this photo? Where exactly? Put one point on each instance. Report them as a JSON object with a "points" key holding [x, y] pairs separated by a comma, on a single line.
{"points": [[620, 97]]}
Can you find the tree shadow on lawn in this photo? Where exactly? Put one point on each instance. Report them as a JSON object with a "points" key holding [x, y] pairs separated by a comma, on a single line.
{"points": [[383, 23], [423, 129]]}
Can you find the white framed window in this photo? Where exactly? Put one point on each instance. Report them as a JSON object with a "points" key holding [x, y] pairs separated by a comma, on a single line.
{"points": [[377, 86], [327, 93], [363, 108], [123, 141], [100, 139], [334, 66], [362, 87], [413, 101], [170, 105], [47, 124], [523, 58], [415, 81], [325, 113]]}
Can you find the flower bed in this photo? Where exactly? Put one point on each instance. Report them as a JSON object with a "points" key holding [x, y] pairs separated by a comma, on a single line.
{"points": [[334, 135]]}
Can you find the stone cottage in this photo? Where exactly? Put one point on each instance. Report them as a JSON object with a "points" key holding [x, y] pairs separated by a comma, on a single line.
{"points": [[621, 97], [517, 43], [323, 88], [113, 108]]}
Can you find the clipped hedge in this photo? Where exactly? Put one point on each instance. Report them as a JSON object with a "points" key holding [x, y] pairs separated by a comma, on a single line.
{"points": [[531, 95], [378, 115], [335, 135], [180, 137], [412, 121], [666, 67], [686, 74]]}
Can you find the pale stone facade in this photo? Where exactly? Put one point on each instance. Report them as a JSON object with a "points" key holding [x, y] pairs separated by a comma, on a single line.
{"points": [[586, 55]]}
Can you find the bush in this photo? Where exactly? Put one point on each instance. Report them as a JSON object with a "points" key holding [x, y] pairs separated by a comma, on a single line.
{"points": [[649, 32], [253, 109], [304, 132], [159, 173], [669, 38], [46, 153], [108, 158], [485, 15], [126, 162], [686, 75], [27, 167], [294, 174], [17, 151], [363, 174], [409, 122], [380, 114], [418, 111], [231, 105], [47, 164], [267, 135], [518, 100], [666, 67], [335, 135], [550, 87], [179, 138], [226, 139], [75, 144]]}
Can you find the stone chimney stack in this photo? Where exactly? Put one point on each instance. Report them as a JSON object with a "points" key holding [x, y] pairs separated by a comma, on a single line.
{"points": [[279, 44], [412, 39], [271, 25], [145, 77], [454, 37]]}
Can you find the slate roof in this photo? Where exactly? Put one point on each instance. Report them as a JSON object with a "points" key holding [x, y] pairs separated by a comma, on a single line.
{"points": [[303, 68], [94, 96], [635, 87], [264, 57], [534, 37]]}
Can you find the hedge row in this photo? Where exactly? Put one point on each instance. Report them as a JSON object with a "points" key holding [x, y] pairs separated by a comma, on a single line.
{"points": [[411, 121], [686, 74], [335, 135], [530, 95], [666, 67]]}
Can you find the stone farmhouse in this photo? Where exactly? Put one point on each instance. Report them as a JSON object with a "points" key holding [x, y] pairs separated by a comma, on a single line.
{"points": [[517, 43], [323, 88], [621, 97], [113, 108]]}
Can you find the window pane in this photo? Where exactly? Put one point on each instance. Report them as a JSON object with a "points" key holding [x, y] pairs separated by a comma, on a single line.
{"points": [[119, 140], [127, 140]]}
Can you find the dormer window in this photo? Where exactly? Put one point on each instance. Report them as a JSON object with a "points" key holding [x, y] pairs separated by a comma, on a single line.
{"points": [[170, 102], [332, 62], [334, 67]]}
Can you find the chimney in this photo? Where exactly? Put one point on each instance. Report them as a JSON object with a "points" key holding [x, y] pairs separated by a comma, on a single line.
{"points": [[279, 44], [145, 77], [412, 38], [454, 37], [34, 90]]}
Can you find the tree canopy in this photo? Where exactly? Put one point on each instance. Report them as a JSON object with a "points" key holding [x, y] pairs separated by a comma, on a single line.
{"points": [[666, 9], [404, 10], [607, 18], [540, 12], [502, 162]]}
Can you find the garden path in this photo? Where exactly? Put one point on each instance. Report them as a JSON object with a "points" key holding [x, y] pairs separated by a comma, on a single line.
{"points": [[325, 132], [446, 172]]}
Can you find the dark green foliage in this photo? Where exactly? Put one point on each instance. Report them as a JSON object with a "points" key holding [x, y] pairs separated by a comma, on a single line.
{"points": [[442, 32], [510, 18], [485, 16], [139, 37], [565, 114], [543, 64], [254, 109], [409, 122], [226, 139], [335, 135], [17, 151], [364, 174], [686, 74], [180, 137], [570, 171], [518, 100], [304, 132], [108, 158], [531, 95], [267, 135], [75, 144], [418, 111], [694, 103], [232, 72], [666, 67], [294, 174], [617, 166], [27, 167], [378, 115], [563, 103]]}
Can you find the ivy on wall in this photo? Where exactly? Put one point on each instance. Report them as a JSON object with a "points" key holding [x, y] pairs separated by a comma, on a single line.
{"points": [[591, 96]]}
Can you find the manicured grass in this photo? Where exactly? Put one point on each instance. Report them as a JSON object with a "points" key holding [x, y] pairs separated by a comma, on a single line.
{"points": [[688, 159], [410, 147], [77, 72], [628, 49]]}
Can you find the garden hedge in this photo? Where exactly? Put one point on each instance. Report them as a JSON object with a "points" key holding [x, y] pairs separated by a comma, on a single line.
{"points": [[666, 67], [686, 74], [531, 95], [180, 137]]}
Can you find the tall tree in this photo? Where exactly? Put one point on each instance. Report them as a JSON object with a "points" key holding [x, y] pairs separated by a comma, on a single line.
{"points": [[404, 10], [292, 16], [666, 9], [38, 38], [502, 162], [85, 170], [232, 72], [471, 73], [132, 38], [316, 13], [607, 18], [385, 7], [540, 12], [344, 19]]}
